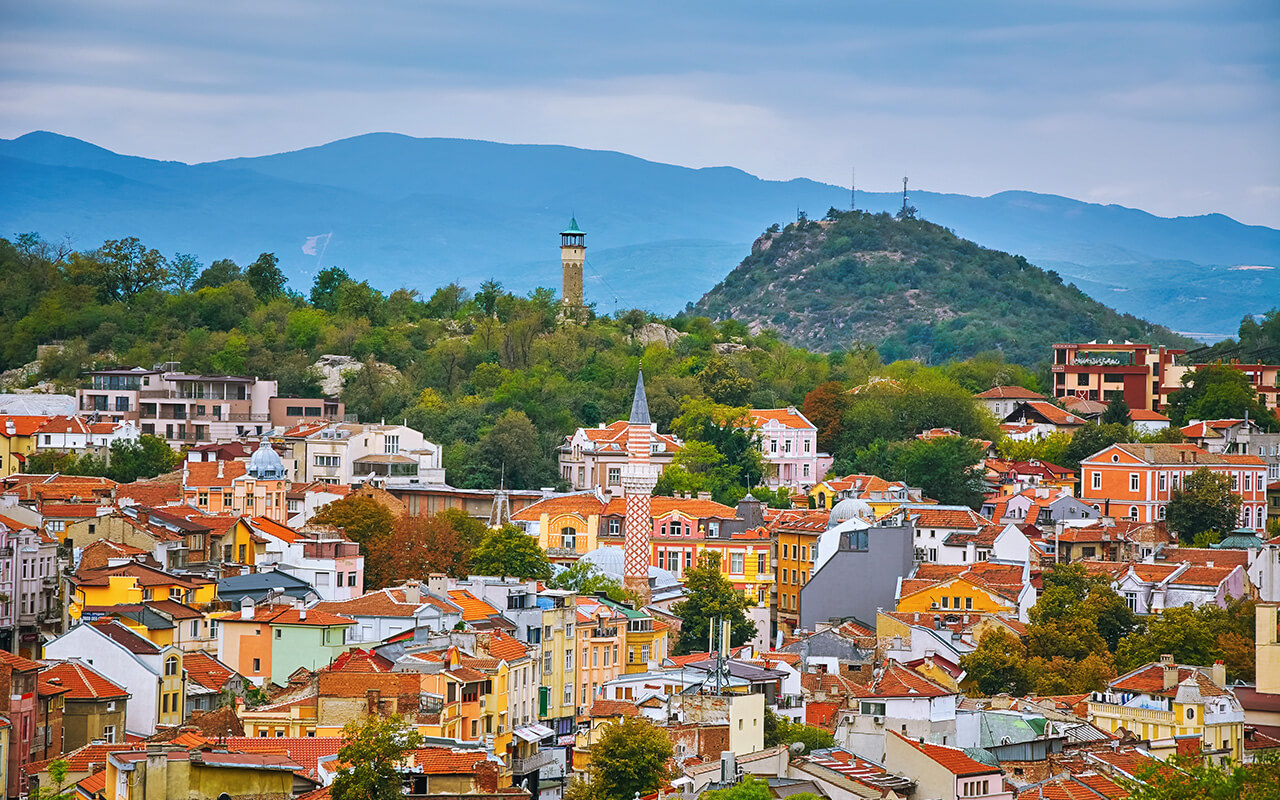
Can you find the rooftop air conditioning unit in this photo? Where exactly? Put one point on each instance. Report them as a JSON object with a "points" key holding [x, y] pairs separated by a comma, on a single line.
{"points": [[879, 720]]}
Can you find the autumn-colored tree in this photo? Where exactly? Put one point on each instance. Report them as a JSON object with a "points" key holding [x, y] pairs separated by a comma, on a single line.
{"points": [[414, 548], [825, 407], [362, 519]]}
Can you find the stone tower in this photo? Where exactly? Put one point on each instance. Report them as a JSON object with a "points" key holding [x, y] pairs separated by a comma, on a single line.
{"points": [[639, 476], [573, 251]]}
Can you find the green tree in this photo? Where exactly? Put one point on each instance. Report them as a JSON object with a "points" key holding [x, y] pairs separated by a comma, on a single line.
{"points": [[1203, 502], [1091, 438], [1218, 391], [586, 579], [723, 383], [630, 757], [709, 595], [752, 788], [1197, 778], [510, 451], [948, 469], [266, 277], [47, 462], [447, 301], [511, 553], [324, 290], [362, 519], [780, 730], [60, 788], [148, 457], [1117, 412], [730, 430], [997, 664], [183, 270], [1197, 636], [131, 268], [372, 750], [219, 273]]}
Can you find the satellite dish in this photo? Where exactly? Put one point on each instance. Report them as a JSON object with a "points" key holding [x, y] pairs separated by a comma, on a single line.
{"points": [[797, 748]]}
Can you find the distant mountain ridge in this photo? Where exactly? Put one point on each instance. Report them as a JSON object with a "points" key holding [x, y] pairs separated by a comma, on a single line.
{"points": [[422, 212]]}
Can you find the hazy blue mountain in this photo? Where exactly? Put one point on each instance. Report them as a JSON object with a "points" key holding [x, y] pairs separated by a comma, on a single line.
{"points": [[421, 212]]}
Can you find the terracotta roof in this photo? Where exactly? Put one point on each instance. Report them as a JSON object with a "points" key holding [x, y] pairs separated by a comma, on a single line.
{"points": [[71, 510], [896, 680], [1055, 415], [1175, 454], [787, 417], [444, 761], [205, 473], [390, 602], [217, 723], [1149, 679], [64, 425], [88, 758], [946, 518], [359, 660], [81, 681], [613, 438], [822, 714], [206, 670], [663, 506], [1143, 415], [1002, 579], [1009, 393], [153, 493], [22, 425], [614, 708], [473, 608], [1203, 576], [272, 528], [95, 783], [585, 504], [17, 663], [1085, 786], [288, 615], [506, 647], [306, 752], [97, 554], [952, 759], [145, 576]]}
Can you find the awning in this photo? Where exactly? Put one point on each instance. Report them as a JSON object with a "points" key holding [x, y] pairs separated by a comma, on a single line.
{"points": [[533, 733]]}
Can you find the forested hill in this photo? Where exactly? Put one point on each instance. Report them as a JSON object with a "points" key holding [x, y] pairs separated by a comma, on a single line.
{"points": [[912, 289]]}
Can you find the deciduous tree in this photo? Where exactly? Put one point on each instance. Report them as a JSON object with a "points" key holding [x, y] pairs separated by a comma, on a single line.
{"points": [[266, 277], [362, 519], [709, 595], [630, 757], [998, 664], [1204, 502], [372, 750], [511, 553]]}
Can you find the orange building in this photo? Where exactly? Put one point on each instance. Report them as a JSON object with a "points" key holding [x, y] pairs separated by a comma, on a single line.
{"points": [[234, 488], [797, 550], [1135, 481]]}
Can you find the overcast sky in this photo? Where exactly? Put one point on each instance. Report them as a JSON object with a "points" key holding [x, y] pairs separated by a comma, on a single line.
{"points": [[1169, 106]]}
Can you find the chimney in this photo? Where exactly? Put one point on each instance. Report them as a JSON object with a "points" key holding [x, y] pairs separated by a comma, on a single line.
{"points": [[438, 584], [246, 607], [1149, 453], [411, 593], [302, 615], [704, 495], [1218, 673], [221, 464], [9, 428], [1169, 671]]}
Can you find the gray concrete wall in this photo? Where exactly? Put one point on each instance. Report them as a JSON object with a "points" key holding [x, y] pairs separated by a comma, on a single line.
{"points": [[854, 583]]}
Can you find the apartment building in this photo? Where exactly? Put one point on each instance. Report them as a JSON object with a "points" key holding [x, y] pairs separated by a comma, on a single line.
{"points": [[1135, 481], [797, 551], [348, 453], [180, 408], [593, 457], [1143, 374], [789, 442]]}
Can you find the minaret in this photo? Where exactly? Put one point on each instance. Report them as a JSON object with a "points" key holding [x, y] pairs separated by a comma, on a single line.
{"points": [[639, 476], [573, 251]]}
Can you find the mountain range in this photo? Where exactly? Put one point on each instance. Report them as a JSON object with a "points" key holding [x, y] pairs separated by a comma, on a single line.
{"points": [[422, 212]]}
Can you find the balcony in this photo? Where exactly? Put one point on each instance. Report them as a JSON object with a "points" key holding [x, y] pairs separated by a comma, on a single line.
{"points": [[540, 759]]}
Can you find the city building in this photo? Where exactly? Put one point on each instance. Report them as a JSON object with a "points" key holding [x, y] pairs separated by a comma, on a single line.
{"points": [[1143, 375], [1135, 481], [349, 453], [268, 643], [253, 489], [180, 408], [852, 553], [93, 706], [945, 772], [594, 457], [18, 705], [789, 442], [320, 556], [1001, 400], [19, 435], [797, 549]]}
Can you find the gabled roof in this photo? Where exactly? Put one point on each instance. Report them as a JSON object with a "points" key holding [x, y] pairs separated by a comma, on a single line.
{"points": [[1046, 411], [664, 506], [81, 681], [64, 425], [896, 680], [204, 474], [358, 660], [786, 417], [143, 574], [952, 759], [17, 663], [288, 615], [614, 708], [22, 425], [1149, 679], [584, 504], [945, 517], [124, 637], [1174, 454], [389, 602], [1009, 393], [473, 608], [206, 670]]}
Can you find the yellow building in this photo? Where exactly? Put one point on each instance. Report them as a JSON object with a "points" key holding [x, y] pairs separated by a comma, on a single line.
{"points": [[882, 496], [240, 545], [1164, 701], [566, 526], [19, 433], [983, 587], [746, 560], [797, 550], [170, 771], [557, 697], [134, 583]]}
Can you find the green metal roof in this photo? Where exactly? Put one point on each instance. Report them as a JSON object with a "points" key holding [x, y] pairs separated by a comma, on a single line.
{"points": [[1239, 539], [573, 228]]}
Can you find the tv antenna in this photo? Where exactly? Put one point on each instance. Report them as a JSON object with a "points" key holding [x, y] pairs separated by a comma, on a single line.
{"points": [[904, 197]]}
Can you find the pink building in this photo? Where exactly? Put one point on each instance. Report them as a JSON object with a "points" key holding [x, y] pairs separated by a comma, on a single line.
{"points": [[789, 442]]}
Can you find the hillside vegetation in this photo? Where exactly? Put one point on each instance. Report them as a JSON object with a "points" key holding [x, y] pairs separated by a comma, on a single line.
{"points": [[912, 289]]}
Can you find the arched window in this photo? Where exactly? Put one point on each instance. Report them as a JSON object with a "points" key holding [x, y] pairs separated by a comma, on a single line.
{"points": [[171, 665], [1133, 512], [568, 537], [1248, 517]]}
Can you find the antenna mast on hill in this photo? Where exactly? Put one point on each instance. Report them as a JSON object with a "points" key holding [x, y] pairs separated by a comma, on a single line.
{"points": [[904, 197], [853, 188]]}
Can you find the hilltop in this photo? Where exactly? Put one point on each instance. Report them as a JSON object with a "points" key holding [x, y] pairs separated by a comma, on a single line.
{"points": [[911, 288], [420, 213]]}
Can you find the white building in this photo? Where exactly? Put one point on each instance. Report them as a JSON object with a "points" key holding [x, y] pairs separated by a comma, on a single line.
{"points": [[384, 613], [349, 453], [322, 557], [789, 442]]}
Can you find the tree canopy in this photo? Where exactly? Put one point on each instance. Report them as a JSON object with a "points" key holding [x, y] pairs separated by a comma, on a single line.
{"points": [[630, 757], [1203, 502], [511, 553], [709, 595], [372, 748]]}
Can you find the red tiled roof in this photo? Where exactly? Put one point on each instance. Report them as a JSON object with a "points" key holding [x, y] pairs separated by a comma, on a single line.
{"points": [[205, 473], [585, 504], [1143, 415], [81, 681], [1149, 679], [1009, 393], [359, 660], [60, 424], [22, 425], [506, 647], [95, 783], [444, 761], [473, 608], [614, 708], [390, 602], [306, 752], [1203, 576], [663, 506], [272, 528], [787, 417], [71, 510], [964, 519], [288, 615], [88, 758], [153, 493], [952, 759], [895, 680], [822, 714], [124, 637], [1055, 415], [17, 663], [206, 670]]}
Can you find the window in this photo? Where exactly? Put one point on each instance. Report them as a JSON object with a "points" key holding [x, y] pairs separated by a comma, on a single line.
{"points": [[806, 470], [968, 604], [279, 633], [1133, 512], [568, 694], [568, 660], [615, 526], [1134, 481], [109, 734], [945, 602], [351, 579], [595, 656], [806, 449], [615, 476], [546, 663], [1095, 480], [171, 665], [164, 703], [257, 665], [391, 445], [871, 709], [736, 563], [195, 628], [1163, 480], [762, 563], [1131, 600], [327, 461], [339, 578], [1248, 481]]}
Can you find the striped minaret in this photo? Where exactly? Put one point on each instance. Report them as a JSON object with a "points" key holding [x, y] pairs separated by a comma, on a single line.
{"points": [[639, 476]]}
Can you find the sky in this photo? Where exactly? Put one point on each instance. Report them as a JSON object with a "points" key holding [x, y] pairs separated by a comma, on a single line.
{"points": [[1168, 106]]}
